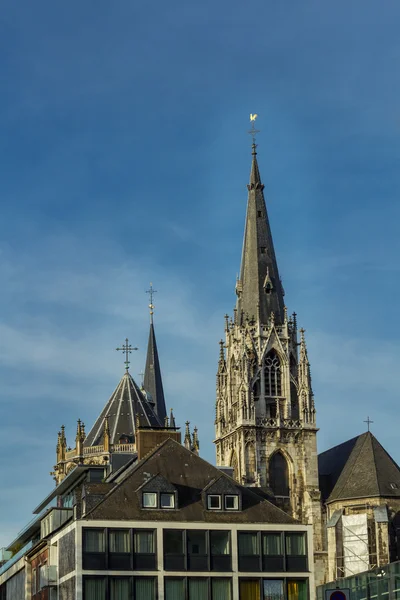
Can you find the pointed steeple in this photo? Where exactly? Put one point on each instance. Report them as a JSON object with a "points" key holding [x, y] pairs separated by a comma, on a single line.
{"points": [[152, 381], [259, 288], [118, 418]]}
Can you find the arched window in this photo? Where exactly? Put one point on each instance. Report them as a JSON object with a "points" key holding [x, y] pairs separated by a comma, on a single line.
{"points": [[279, 475], [273, 383]]}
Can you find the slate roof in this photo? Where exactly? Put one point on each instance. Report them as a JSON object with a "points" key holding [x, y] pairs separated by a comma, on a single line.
{"points": [[358, 468], [126, 402], [189, 474], [259, 264], [152, 381]]}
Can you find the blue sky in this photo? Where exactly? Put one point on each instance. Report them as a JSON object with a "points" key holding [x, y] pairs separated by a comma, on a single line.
{"points": [[124, 160]]}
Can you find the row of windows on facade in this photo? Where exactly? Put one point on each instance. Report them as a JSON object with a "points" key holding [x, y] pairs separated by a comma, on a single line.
{"points": [[169, 501], [194, 550], [193, 588]]}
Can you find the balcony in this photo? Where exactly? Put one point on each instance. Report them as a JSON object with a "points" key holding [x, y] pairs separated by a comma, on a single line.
{"points": [[48, 576], [53, 520]]}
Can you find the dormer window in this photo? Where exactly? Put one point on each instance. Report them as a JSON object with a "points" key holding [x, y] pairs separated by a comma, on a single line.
{"points": [[167, 500], [232, 502], [214, 502], [149, 500]]}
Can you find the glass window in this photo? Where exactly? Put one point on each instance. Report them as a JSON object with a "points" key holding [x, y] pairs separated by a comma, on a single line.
{"points": [[273, 589], [145, 588], [296, 590], [120, 588], [174, 589], [198, 588], [93, 540], [149, 500], [249, 589], [295, 544], [94, 588], [214, 502], [197, 542], [248, 544], [143, 541], [119, 541], [231, 502], [272, 372], [221, 589], [167, 500], [272, 544], [173, 542], [219, 542]]}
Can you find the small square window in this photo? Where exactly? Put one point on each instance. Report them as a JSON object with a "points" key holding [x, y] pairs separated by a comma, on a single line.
{"points": [[231, 502], [214, 502], [259, 213], [262, 249], [167, 501], [149, 500]]}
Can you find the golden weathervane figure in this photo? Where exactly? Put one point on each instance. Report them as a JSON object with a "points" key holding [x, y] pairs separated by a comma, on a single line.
{"points": [[253, 131]]}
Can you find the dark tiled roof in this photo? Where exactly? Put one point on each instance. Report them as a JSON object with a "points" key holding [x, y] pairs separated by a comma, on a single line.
{"points": [[359, 468], [152, 381], [189, 474], [125, 404]]}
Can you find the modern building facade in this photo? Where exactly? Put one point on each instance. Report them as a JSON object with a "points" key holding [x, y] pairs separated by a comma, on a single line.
{"points": [[167, 526]]}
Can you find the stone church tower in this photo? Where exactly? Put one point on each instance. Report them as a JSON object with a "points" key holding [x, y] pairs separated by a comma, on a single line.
{"points": [[265, 412]]}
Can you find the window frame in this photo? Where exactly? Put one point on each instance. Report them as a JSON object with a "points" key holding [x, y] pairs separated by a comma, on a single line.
{"points": [[154, 495], [213, 496], [235, 497], [120, 561], [285, 580], [172, 495], [280, 563], [132, 581], [186, 584], [189, 562]]}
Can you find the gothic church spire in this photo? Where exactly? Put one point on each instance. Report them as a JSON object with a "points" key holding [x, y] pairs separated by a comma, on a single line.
{"points": [[152, 381], [259, 288]]}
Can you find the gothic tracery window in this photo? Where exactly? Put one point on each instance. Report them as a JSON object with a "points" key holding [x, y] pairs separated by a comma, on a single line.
{"points": [[273, 380]]}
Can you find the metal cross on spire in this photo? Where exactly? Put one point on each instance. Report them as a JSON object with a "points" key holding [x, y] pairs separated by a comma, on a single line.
{"points": [[151, 293], [368, 421], [253, 131], [127, 348]]}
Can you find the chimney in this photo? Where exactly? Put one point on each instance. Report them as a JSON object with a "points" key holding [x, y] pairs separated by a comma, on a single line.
{"points": [[148, 438]]}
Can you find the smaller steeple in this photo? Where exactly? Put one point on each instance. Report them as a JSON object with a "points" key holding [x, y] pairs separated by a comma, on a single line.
{"points": [[196, 443], [172, 419], [152, 381], [79, 439], [106, 441], [188, 439]]}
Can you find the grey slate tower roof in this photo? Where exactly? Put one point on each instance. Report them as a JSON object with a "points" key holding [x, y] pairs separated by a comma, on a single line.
{"points": [[358, 468], [259, 288], [125, 405], [152, 381]]}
